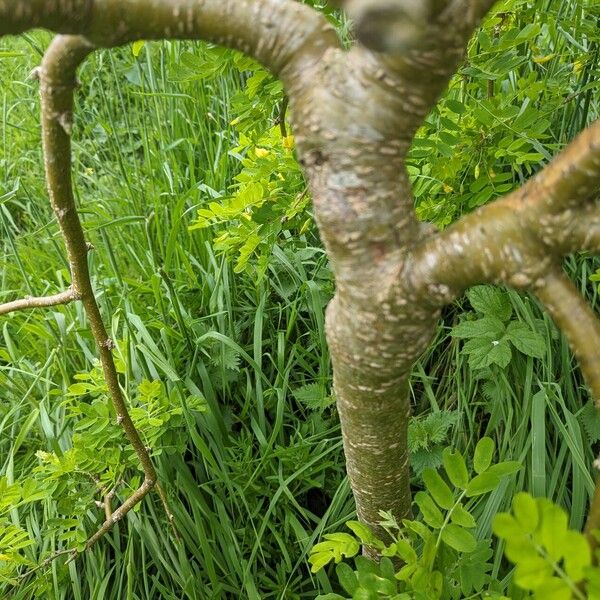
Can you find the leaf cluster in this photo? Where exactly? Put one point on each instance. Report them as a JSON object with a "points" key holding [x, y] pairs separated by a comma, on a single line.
{"points": [[440, 557]]}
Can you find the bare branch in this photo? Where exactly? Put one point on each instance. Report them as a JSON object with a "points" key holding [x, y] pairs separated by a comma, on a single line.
{"points": [[275, 32], [574, 230], [394, 26], [576, 319], [57, 83], [40, 302]]}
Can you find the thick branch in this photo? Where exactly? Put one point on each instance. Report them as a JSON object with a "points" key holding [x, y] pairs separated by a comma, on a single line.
{"points": [[41, 302], [581, 326], [576, 319], [394, 26], [571, 178], [514, 239], [275, 32]]}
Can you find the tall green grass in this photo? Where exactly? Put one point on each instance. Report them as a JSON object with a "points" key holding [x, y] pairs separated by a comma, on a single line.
{"points": [[261, 476]]}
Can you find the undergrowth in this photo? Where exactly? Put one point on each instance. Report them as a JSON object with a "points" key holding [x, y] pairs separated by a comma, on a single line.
{"points": [[211, 276]]}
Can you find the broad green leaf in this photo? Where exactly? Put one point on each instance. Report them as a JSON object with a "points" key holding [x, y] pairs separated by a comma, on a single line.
{"points": [[455, 106], [419, 528], [524, 339], [578, 557], [484, 451], [592, 575], [526, 512], [505, 526], [483, 483], [136, 47], [456, 469], [532, 573], [431, 513], [507, 467], [520, 548], [462, 517], [553, 528], [553, 589], [335, 546], [500, 353], [490, 301], [486, 327], [486, 351], [438, 488], [365, 535], [406, 552], [347, 577], [458, 538]]}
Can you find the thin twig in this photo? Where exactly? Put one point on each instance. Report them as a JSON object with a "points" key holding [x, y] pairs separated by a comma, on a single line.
{"points": [[38, 302]]}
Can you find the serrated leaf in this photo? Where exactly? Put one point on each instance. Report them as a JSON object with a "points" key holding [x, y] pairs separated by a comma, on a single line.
{"points": [[458, 538], [456, 469], [487, 351], [490, 301], [589, 417], [438, 489], [431, 513], [313, 396], [524, 339], [486, 327], [484, 451]]}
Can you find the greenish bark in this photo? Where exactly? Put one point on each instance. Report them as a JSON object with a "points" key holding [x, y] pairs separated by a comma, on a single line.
{"points": [[355, 113]]}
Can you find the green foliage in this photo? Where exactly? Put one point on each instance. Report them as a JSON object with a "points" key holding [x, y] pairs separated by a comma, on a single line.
{"points": [[268, 203], [495, 126], [552, 561], [99, 460], [440, 556], [426, 437], [261, 475], [492, 335]]}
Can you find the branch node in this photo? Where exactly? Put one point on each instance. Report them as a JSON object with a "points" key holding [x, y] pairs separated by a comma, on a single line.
{"points": [[34, 74], [66, 122]]}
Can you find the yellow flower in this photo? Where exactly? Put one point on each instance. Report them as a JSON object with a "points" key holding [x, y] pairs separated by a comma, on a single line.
{"points": [[288, 142], [261, 152], [540, 60]]}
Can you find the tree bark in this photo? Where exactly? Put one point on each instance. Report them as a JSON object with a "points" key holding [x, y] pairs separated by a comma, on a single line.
{"points": [[354, 114]]}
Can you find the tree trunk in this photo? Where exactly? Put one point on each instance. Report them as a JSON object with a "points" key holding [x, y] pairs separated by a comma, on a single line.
{"points": [[355, 113]]}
